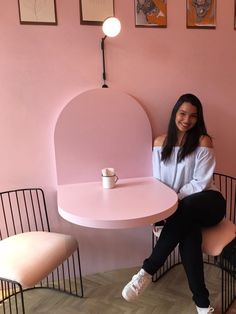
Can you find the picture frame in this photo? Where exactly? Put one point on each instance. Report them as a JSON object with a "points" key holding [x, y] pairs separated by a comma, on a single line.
{"points": [[94, 12], [201, 14], [150, 13], [37, 12], [235, 14]]}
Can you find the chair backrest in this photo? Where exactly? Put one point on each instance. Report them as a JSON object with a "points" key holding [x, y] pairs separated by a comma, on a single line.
{"points": [[227, 185], [22, 210], [102, 128], [217, 237]]}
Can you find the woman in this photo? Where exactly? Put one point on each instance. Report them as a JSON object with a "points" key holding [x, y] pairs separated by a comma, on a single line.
{"points": [[184, 160]]}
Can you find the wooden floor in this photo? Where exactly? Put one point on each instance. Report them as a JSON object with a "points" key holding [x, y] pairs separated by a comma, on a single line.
{"points": [[170, 295]]}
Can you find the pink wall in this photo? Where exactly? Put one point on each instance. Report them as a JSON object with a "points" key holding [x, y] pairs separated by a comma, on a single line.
{"points": [[119, 136], [44, 67]]}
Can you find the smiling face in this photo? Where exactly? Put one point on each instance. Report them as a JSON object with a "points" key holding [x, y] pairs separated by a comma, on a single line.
{"points": [[186, 117]]}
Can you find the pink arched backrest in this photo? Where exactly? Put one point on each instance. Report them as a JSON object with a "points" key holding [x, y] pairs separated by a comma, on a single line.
{"points": [[102, 128]]}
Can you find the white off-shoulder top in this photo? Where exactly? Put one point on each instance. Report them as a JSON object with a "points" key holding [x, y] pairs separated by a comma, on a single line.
{"points": [[191, 175]]}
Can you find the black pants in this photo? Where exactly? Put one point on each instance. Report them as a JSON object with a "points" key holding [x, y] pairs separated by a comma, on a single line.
{"points": [[198, 210]]}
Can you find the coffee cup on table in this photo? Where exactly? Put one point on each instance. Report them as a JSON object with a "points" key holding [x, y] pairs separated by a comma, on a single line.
{"points": [[109, 178]]}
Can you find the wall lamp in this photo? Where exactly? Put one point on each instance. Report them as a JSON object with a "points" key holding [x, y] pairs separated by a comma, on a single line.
{"points": [[111, 27]]}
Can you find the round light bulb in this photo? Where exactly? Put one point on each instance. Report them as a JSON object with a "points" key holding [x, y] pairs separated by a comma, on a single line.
{"points": [[111, 27]]}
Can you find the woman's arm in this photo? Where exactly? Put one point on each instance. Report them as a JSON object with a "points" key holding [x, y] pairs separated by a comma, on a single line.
{"points": [[203, 169], [156, 156]]}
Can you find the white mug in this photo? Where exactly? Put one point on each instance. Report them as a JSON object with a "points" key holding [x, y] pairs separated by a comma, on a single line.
{"points": [[108, 182]]}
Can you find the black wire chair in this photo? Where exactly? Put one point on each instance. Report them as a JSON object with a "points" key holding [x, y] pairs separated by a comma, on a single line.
{"points": [[23, 213], [226, 260]]}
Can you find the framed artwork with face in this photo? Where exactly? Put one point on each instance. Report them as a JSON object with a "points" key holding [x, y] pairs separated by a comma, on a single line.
{"points": [[201, 13], [150, 13]]}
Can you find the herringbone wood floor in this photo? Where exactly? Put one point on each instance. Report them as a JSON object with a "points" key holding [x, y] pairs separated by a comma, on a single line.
{"points": [[170, 295]]}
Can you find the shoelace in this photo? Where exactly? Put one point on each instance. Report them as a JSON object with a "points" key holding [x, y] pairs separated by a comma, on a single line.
{"points": [[138, 285], [211, 310]]}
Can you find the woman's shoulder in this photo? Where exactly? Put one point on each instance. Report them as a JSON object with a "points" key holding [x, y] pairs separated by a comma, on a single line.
{"points": [[205, 141], [159, 140]]}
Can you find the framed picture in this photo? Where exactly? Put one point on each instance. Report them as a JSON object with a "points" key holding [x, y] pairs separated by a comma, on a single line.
{"points": [[150, 13], [94, 12], [234, 14], [201, 13], [37, 11]]}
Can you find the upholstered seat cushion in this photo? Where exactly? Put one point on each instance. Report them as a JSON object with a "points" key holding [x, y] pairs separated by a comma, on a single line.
{"points": [[215, 238], [29, 257]]}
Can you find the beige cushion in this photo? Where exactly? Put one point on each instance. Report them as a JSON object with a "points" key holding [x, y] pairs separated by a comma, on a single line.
{"points": [[215, 238], [29, 257]]}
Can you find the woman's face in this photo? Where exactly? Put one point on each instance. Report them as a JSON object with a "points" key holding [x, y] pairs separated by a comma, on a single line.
{"points": [[186, 117]]}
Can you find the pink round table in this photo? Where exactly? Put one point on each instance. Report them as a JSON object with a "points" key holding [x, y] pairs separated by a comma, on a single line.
{"points": [[134, 202]]}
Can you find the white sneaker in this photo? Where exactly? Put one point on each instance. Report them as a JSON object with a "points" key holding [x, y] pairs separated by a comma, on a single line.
{"points": [[157, 228], [136, 286], [205, 310], [157, 231]]}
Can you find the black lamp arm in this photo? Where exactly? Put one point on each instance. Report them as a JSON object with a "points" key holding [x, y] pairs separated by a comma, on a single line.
{"points": [[103, 62]]}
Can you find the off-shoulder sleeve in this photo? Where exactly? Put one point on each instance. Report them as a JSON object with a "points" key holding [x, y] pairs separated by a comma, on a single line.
{"points": [[202, 174], [156, 162]]}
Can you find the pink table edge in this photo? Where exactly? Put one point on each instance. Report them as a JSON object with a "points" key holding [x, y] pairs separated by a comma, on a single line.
{"points": [[134, 202]]}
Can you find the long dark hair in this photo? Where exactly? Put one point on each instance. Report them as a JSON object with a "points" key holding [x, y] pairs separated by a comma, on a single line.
{"points": [[192, 136]]}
